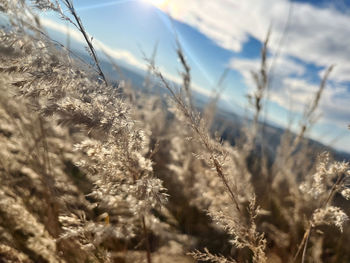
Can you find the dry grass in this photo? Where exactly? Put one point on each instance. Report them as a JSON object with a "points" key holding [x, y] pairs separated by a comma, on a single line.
{"points": [[89, 174]]}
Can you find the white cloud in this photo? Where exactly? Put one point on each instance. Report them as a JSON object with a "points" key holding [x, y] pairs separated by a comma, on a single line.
{"points": [[298, 92], [293, 93], [117, 54], [281, 67], [227, 22], [284, 90], [315, 35]]}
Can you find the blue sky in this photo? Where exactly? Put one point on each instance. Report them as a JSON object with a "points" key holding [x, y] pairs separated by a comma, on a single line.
{"points": [[221, 34]]}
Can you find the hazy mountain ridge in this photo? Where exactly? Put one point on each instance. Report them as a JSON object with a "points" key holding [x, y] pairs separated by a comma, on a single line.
{"points": [[226, 121]]}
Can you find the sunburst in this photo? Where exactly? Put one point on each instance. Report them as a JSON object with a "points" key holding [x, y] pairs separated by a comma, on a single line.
{"points": [[157, 3]]}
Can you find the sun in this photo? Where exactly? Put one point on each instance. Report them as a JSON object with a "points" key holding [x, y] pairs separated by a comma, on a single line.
{"points": [[158, 3]]}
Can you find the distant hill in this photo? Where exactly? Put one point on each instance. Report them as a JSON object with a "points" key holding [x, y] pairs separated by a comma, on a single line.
{"points": [[228, 123]]}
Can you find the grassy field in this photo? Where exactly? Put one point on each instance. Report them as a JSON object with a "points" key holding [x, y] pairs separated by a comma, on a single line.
{"points": [[91, 172]]}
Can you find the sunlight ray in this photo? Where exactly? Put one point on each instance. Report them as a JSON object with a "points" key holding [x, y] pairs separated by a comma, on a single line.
{"points": [[113, 3], [158, 3], [167, 20]]}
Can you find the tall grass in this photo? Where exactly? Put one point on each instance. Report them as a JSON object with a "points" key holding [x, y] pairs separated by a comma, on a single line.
{"points": [[89, 174]]}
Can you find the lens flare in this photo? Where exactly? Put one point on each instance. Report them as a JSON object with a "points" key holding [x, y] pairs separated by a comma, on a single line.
{"points": [[158, 3]]}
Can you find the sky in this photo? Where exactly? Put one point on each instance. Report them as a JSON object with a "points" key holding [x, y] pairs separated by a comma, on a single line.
{"points": [[306, 38]]}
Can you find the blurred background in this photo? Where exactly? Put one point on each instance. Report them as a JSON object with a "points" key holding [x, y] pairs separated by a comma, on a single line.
{"points": [[225, 37]]}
